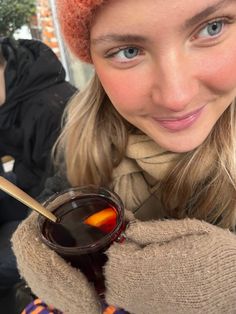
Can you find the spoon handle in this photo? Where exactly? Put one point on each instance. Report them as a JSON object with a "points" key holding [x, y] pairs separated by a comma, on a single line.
{"points": [[24, 198]]}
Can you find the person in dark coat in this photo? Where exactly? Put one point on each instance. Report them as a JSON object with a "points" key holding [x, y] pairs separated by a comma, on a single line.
{"points": [[33, 95], [36, 94]]}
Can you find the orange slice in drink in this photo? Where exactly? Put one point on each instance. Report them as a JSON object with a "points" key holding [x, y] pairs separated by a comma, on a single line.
{"points": [[105, 219]]}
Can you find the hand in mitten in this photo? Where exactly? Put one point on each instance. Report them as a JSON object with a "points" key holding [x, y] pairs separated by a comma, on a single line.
{"points": [[173, 266], [49, 276]]}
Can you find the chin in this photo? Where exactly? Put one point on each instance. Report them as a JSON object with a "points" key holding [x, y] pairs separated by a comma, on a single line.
{"points": [[176, 145], [185, 147]]}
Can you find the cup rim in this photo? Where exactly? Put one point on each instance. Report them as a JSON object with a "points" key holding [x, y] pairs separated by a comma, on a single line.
{"points": [[90, 248]]}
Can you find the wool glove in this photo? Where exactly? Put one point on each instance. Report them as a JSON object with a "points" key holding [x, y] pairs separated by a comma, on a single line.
{"points": [[49, 276], [173, 266]]}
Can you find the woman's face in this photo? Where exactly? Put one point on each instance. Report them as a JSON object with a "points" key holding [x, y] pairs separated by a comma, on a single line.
{"points": [[168, 66]]}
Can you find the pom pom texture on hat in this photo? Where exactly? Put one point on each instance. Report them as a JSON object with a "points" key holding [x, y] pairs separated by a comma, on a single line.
{"points": [[75, 18]]}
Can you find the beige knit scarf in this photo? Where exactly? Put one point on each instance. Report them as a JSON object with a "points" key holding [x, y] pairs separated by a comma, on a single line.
{"points": [[137, 176]]}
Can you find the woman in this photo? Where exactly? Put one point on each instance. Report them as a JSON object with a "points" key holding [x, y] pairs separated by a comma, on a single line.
{"points": [[157, 125]]}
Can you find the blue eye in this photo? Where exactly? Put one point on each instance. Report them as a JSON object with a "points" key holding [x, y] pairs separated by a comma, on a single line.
{"points": [[130, 52], [212, 29], [124, 54]]}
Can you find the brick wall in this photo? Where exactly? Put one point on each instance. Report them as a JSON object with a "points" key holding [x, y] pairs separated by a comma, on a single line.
{"points": [[77, 73], [46, 26]]}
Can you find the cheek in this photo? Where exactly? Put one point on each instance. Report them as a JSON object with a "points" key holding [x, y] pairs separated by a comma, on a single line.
{"points": [[220, 71], [124, 89]]}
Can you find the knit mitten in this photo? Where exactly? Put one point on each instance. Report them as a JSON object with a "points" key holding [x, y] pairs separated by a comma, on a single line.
{"points": [[49, 276], [174, 266]]}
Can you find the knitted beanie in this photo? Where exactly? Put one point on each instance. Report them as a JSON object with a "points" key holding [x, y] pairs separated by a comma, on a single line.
{"points": [[75, 18]]}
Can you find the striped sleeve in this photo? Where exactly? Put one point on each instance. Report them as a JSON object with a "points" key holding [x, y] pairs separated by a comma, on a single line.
{"points": [[39, 307]]}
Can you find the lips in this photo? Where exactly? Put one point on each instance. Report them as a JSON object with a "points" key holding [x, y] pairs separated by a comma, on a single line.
{"points": [[180, 123]]}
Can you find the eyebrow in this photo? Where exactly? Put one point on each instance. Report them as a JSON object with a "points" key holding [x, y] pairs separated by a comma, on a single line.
{"points": [[119, 38], [128, 38], [205, 13]]}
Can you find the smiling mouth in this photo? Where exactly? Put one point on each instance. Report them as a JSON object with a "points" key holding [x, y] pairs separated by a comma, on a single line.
{"points": [[180, 123]]}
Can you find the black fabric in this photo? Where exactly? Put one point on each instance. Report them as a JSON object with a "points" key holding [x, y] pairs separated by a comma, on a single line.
{"points": [[53, 185], [30, 118], [8, 271], [10, 208]]}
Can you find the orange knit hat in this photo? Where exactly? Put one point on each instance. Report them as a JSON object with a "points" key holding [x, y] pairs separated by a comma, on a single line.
{"points": [[75, 17]]}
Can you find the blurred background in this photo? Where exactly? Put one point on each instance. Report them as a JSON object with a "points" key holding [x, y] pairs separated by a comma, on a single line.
{"points": [[38, 19], [34, 19]]}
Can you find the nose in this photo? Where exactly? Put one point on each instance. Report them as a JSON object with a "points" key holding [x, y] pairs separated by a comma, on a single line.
{"points": [[175, 84]]}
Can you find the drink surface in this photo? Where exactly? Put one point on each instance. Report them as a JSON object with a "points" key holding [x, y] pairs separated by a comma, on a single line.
{"points": [[83, 222]]}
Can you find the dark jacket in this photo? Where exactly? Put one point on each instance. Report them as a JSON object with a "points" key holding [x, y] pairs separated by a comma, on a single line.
{"points": [[30, 119]]}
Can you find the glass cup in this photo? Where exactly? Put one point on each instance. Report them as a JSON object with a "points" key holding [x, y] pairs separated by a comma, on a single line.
{"points": [[90, 219]]}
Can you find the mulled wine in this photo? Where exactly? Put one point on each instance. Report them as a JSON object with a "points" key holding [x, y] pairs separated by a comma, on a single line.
{"points": [[90, 219]]}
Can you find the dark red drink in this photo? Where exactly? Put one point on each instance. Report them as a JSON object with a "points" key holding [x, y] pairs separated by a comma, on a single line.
{"points": [[91, 218]]}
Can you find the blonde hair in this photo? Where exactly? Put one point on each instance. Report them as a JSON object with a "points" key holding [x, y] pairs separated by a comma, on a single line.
{"points": [[94, 137], [201, 184]]}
